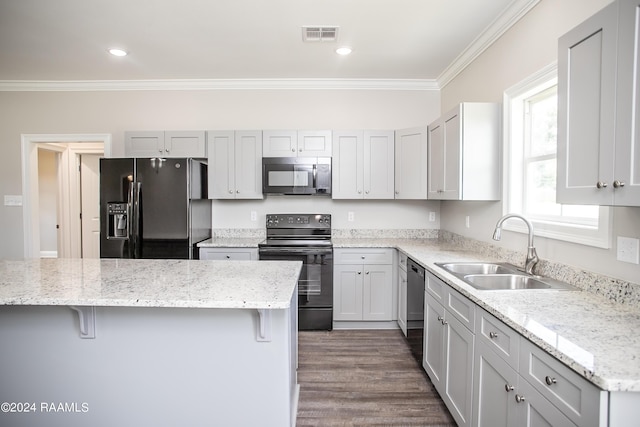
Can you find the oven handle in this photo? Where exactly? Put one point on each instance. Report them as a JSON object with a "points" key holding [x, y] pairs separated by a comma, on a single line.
{"points": [[286, 250]]}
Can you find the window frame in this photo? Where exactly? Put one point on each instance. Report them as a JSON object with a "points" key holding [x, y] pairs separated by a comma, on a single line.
{"points": [[575, 231]]}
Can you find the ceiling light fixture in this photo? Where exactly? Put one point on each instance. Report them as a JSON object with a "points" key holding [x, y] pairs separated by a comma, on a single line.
{"points": [[118, 52], [344, 50]]}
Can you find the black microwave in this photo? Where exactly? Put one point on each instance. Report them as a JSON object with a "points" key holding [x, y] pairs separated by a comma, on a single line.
{"points": [[296, 176]]}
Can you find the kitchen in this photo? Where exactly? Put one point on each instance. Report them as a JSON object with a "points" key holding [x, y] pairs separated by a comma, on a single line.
{"points": [[521, 51]]}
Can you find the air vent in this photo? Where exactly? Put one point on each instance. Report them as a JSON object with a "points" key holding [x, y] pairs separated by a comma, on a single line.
{"points": [[319, 34]]}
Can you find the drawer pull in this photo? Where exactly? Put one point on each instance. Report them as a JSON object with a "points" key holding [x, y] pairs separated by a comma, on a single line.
{"points": [[549, 380], [519, 398], [493, 335], [440, 319], [508, 388]]}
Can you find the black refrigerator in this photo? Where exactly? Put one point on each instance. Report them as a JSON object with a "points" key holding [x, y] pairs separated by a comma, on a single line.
{"points": [[155, 208]]}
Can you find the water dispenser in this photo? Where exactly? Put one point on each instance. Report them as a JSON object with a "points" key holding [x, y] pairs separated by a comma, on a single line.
{"points": [[118, 222]]}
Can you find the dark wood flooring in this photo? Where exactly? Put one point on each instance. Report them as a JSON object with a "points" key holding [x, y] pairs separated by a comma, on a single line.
{"points": [[364, 378]]}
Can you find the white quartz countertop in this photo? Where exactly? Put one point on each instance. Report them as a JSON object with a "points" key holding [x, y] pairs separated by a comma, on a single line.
{"points": [[149, 283], [597, 338]]}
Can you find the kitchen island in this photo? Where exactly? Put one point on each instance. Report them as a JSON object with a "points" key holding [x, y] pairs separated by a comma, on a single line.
{"points": [[148, 342]]}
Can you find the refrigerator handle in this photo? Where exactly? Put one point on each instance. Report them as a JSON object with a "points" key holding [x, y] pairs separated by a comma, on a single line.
{"points": [[134, 217]]}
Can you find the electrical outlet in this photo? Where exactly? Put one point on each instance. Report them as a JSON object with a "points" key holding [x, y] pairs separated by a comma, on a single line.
{"points": [[350, 217], [628, 250], [467, 221], [432, 216], [254, 216]]}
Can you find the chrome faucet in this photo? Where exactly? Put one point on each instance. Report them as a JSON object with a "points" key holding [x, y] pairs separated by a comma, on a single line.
{"points": [[532, 256]]}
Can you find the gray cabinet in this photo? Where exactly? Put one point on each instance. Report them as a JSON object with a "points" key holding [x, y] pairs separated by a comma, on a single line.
{"points": [[464, 153], [402, 293], [598, 108], [411, 163], [363, 284], [229, 254], [235, 164], [363, 165], [165, 144]]}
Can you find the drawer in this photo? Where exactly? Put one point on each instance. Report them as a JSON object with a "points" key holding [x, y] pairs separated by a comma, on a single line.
{"points": [[576, 397], [228, 254], [498, 336], [363, 256], [435, 287], [461, 308], [402, 261]]}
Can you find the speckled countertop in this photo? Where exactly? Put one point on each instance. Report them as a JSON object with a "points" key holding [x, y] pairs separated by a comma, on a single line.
{"points": [[231, 242], [597, 338], [149, 283]]}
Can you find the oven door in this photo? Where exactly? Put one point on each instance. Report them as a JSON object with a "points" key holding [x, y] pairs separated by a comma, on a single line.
{"points": [[315, 284]]}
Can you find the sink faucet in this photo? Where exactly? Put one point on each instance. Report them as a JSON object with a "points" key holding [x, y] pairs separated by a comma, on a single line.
{"points": [[532, 256]]}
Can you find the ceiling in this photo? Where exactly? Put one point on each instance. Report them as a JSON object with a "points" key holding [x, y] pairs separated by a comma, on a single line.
{"points": [[67, 40]]}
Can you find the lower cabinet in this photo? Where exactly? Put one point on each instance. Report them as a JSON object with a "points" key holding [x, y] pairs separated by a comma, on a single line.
{"points": [[363, 284], [402, 293], [449, 347], [518, 383], [229, 254]]}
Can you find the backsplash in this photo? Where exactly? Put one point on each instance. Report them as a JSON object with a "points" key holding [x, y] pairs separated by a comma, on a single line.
{"points": [[616, 290], [239, 233], [353, 233]]}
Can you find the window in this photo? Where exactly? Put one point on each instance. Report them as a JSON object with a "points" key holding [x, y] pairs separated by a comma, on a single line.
{"points": [[530, 173]]}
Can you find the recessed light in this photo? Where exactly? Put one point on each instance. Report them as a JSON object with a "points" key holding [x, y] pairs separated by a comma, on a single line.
{"points": [[118, 52], [343, 50]]}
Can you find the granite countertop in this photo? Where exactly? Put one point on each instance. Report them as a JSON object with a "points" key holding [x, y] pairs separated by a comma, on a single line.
{"points": [[231, 242], [592, 335], [149, 283]]}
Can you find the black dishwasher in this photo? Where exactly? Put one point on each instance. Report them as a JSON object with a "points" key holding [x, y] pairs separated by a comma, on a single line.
{"points": [[415, 308]]}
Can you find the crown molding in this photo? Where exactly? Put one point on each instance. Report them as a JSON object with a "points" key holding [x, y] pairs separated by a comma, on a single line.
{"points": [[216, 84], [516, 10]]}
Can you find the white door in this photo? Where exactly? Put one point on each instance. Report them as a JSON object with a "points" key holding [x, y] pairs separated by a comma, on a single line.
{"points": [[90, 204]]}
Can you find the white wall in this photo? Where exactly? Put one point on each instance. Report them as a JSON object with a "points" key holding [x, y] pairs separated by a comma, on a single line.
{"points": [[526, 48], [115, 112]]}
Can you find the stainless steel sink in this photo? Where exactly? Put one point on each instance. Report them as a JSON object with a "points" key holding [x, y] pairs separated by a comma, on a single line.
{"points": [[500, 276], [477, 268], [504, 282]]}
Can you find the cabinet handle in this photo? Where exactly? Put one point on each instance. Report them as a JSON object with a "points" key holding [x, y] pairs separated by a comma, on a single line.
{"points": [[397, 192], [238, 191], [440, 319], [228, 257], [549, 380], [493, 335], [444, 322], [167, 150], [367, 272], [519, 398], [366, 192], [618, 184], [300, 150], [230, 191], [293, 150], [601, 184], [359, 272], [508, 388]]}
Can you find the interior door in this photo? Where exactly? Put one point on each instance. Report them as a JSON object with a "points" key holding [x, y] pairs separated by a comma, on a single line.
{"points": [[90, 204]]}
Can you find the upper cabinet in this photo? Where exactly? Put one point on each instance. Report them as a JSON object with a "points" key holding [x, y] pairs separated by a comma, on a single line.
{"points": [[235, 164], [165, 144], [411, 163], [598, 109], [464, 153], [363, 165], [291, 143]]}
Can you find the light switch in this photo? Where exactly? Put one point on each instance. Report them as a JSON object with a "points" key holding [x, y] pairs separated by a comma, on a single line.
{"points": [[12, 200]]}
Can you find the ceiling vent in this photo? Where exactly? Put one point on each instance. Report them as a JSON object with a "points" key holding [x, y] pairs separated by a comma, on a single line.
{"points": [[319, 34]]}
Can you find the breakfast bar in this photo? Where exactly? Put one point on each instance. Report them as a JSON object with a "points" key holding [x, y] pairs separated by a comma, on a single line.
{"points": [[107, 342]]}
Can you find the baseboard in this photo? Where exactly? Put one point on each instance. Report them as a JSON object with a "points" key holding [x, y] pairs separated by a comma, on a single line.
{"points": [[365, 325]]}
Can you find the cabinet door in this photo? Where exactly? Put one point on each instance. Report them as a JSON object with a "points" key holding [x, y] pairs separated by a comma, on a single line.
{"points": [[220, 146], [377, 293], [494, 390], [436, 159], [411, 163], [586, 110], [434, 344], [347, 169], [248, 165], [378, 165], [144, 144], [534, 410], [402, 300], [185, 144], [314, 143], [452, 155], [279, 143], [627, 151], [458, 395], [347, 292]]}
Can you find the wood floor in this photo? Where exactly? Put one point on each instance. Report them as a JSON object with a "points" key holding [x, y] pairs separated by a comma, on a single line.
{"points": [[364, 378]]}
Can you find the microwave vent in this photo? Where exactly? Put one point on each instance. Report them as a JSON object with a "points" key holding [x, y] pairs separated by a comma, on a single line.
{"points": [[319, 34]]}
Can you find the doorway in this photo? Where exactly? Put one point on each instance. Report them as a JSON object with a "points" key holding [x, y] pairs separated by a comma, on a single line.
{"points": [[76, 162]]}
